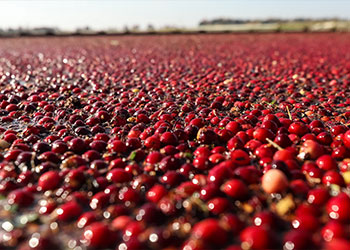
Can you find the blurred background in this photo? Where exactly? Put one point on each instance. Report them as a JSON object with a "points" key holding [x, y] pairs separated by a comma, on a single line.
{"points": [[106, 16]]}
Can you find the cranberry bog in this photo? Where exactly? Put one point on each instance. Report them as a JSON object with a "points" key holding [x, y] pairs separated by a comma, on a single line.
{"points": [[226, 141]]}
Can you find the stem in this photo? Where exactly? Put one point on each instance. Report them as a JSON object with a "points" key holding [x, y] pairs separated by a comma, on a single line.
{"points": [[274, 144], [290, 116]]}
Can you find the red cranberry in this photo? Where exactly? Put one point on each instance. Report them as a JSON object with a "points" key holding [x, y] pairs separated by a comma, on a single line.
{"points": [[261, 134], [332, 230], [257, 238], [117, 146], [69, 211], [75, 178], [206, 136], [235, 188], [201, 163], [169, 138], [306, 222], [346, 139], [156, 193], [298, 128], [49, 180], [338, 207], [59, 147], [333, 177], [77, 145], [152, 142], [118, 175], [218, 205], [298, 239], [240, 157], [326, 162], [86, 219], [266, 219], [318, 196], [20, 197], [98, 235], [210, 232]]}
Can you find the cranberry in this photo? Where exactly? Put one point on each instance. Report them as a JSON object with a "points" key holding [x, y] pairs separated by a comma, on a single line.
{"points": [[346, 139], [210, 232], [69, 211], [150, 214], [326, 162], [117, 146], [298, 239], [337, 244], [332, 230], [298, 128], [266, 219], [77, 145], [98, 235], [129, 195], [206, 136], [156, 193], [283, 155], [118, 175], [233, 126], [274, 181], [169, 163], [47, 207], [59, 147], [235, 188], [333, 177], [100, 200], [41, 147], [172, 178], [20, 197], [261, 134], [201, 162], [338, 207], [257, 238], [318, 196], [306, 222], [218, 205], [75, 178], [49, 180], [152, 142], [240, 157], [169, 138]]}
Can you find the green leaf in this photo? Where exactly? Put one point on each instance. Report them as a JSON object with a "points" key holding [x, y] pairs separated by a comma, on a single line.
{"points": [[273, 102], [13, 208], [27, 218], [132, 156], [188, 155]]}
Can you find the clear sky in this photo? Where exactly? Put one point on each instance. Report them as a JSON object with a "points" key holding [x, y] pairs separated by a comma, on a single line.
{"points": [[104, 14]]}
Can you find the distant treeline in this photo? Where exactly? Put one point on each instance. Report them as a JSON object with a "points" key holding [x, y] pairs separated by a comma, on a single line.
{"points": [[263, 21]]}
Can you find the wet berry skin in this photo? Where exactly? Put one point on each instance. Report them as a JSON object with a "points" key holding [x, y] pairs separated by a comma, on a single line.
{"points": [[20, 197], [257, 238], [235, 188], [326, 162], [210, 231], [175, 141], [274, 181], [98, 235], [69, 211], [49, 180], [338, 207]]}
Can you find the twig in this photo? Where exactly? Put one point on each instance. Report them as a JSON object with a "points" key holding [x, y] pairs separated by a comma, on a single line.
{"points": [[274, 144], [290, 116]]}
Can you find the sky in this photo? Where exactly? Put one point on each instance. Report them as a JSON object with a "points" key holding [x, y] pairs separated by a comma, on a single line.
{"points": [[106, 14]]}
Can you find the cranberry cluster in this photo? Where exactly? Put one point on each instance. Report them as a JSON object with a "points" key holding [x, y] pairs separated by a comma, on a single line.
{"points": [[180, 141]]}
